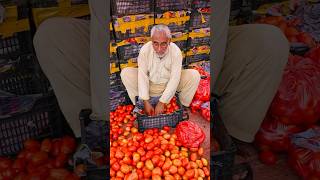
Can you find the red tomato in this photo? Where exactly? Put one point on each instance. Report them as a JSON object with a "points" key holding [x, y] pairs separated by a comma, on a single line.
{"points": [[56, 147], [8, 173], [72, 177], [60, 160], [46, 145], [59, 173], [19, 165], [39, 158], [5, 163], [31, 145], [39, 173], [21, 176], [68, 145], [268, 157], [314, 176]]}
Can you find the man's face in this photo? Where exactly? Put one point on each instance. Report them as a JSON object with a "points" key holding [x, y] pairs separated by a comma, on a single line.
{"points": [[160, 42]]}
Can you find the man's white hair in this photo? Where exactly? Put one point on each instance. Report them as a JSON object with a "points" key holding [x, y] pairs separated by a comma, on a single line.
{"points": [[163, 28]]}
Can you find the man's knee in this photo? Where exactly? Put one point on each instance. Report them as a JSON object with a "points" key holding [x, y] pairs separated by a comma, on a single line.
{"points": [[128, 72], [48, 29], [267, 40], [193, 75], [272, 39]]}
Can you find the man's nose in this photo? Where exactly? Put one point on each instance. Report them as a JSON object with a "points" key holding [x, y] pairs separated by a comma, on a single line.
{"points": [[158, 48]]}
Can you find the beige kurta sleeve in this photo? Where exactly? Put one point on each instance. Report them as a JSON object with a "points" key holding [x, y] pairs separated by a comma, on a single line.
{"points": [[174, 80], [143, 79]]}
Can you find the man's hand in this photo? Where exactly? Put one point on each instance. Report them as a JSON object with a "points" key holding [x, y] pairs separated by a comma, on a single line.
{"points": [[159, 108], [148, 108]]}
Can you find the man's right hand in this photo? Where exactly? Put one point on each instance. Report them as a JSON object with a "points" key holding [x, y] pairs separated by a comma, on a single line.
{"points": [[148, 108]]}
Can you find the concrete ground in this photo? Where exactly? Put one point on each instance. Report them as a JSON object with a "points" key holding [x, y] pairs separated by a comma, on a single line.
{"points": [[280, 171]]}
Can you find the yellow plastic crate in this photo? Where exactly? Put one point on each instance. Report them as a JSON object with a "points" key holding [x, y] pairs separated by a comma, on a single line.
{"points": [[64, 9]]}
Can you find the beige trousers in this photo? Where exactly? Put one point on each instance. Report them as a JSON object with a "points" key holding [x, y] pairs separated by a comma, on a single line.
{"points": [[72, 54], [187, 87], [248, 66]]}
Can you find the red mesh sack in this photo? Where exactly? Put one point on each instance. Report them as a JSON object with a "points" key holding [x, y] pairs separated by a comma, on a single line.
{"points": [[297, 100], [190, 134], [203, 91], [274, 135], [304, 154]]}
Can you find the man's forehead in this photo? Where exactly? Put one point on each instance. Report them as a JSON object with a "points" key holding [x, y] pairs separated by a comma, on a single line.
{"points": [[157, 38]]}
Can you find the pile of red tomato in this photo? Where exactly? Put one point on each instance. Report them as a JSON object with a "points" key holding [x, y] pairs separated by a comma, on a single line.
{"points": [[40, 160], [155, 153]]}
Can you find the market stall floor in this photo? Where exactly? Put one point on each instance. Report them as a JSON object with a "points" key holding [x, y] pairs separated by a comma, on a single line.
{"points": [[279, 171], [205, 126]]}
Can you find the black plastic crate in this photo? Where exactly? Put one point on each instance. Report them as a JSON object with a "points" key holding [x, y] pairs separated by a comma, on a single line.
{"points": [[235, 8], [53, 3], [22, 7], [197, 58], [43, 4], [113, 58], [200, 4], [178, 25], [174, 27], [130, 23], [94, 133], [115, 79], [128, 7], [24, 77], [196, 20], [19, 43], [128, 51], [117, 91], [147, 122], [139, 32], [98, 174], [40, 122], [181, 44], [172, 5], [199, 41], [222, 162], [77, 2]]}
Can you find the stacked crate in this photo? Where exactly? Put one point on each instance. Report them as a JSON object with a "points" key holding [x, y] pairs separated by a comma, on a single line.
{"points": [[22, 83], [19, 73], [44, 9], [132, 21], [199, 33], [176, 15]]}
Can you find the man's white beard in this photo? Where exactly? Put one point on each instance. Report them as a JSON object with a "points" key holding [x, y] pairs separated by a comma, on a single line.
{"points": [[162, 55]]}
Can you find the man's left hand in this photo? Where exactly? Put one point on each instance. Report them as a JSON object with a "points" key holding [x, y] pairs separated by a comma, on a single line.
{"points": [[159, 108]]}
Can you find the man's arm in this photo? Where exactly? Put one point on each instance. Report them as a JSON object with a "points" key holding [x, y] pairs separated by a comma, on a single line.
{"points": [[143, 79], [173, 83]]}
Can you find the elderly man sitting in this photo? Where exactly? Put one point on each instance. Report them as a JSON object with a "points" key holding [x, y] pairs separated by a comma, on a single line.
{"points": [[160, 73]]}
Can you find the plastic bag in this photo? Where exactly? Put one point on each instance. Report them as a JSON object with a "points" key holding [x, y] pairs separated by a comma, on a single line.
{"points": [[314, 54], [203, 91], [190, 134], [205, 110], [297, 100], [195, 105], [304, 153], [274, 135]]}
